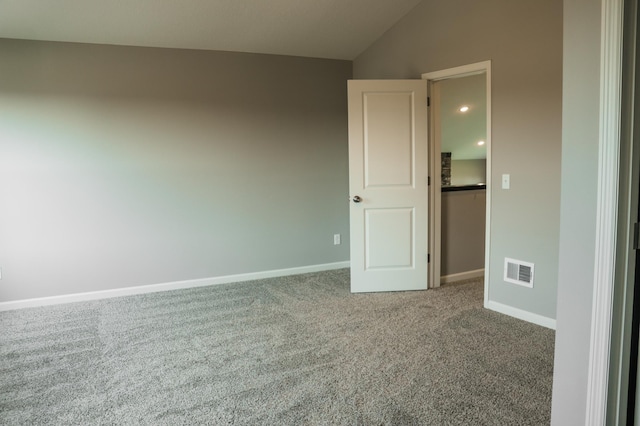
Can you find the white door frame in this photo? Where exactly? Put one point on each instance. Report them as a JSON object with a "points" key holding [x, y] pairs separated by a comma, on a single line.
{"points": [[604, 273], [435, 219]]}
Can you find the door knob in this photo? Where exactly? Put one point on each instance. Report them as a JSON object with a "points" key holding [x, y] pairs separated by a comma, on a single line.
{"points": [[357, 199]]}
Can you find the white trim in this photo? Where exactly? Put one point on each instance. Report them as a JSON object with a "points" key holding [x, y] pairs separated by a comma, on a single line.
{"points": [[176, 285], [467, 275], [435, 198], [487, 230], [607, 206], [621, 360], [520, 314], [463, 71]]}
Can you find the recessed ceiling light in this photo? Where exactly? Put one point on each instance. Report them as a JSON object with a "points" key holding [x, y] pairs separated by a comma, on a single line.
{"points": [[480, 143], [464, 108]]}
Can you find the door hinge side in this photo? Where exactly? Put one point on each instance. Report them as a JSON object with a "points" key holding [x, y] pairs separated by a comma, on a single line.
{"points": [[636, 236], [428, 257], [428, 180], [428, 101]]}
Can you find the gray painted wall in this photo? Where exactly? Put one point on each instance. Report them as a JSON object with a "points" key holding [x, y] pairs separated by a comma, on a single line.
{"points": [[463, 223], [468, 172], [523, 39], [578, 208], [128, 166]]}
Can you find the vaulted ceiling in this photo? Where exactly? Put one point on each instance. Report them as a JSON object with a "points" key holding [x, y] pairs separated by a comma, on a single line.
{"points": [[336, 29]]}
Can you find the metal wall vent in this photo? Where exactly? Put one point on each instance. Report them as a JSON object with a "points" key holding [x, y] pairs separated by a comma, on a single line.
{"points": [[518, 272]]}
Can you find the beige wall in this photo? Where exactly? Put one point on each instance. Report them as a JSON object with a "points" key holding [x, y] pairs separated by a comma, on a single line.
{"points": [[523, 40], [463, 224], [468, 172], [128, 166]]}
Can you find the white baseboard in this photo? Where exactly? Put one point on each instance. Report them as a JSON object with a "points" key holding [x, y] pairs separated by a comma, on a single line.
{"points": [[176, 285], [467, 275], [520, 314]]}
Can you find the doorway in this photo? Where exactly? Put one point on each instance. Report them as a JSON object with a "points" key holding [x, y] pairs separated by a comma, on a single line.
{"points": [[395, 182], [436, 116]]}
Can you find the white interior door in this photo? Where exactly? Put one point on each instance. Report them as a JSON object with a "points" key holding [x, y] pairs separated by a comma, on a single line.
{"points": [[388, 168]]}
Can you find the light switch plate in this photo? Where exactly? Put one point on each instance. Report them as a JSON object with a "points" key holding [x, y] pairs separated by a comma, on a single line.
{"points": [[506, 181]]}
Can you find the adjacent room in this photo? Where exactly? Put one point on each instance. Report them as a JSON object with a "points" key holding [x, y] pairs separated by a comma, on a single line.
{"points": [[175, 226]]}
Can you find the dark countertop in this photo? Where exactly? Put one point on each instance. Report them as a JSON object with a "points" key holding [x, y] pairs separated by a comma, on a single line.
{"points": [[453, 188]]}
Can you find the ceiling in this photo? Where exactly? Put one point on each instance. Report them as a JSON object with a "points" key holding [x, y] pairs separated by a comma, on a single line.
{"points": [[336, 29], [461, 131]]}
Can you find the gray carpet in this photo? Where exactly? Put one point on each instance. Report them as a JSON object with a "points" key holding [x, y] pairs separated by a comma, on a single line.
{"points": [[286, 351]]}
